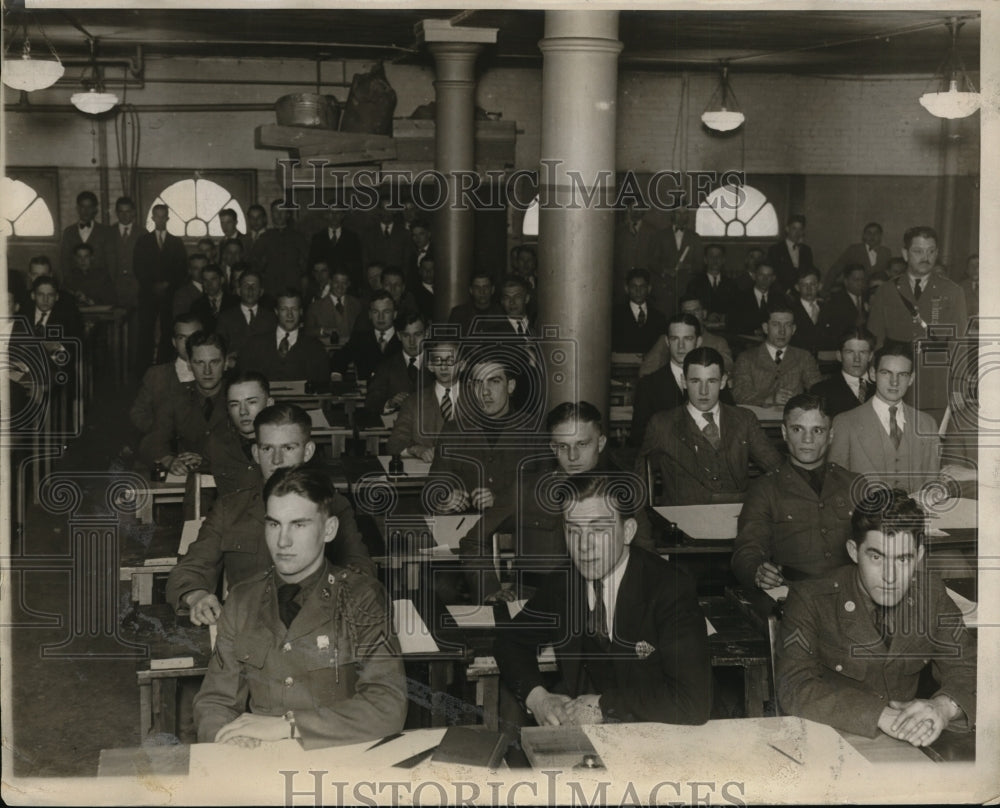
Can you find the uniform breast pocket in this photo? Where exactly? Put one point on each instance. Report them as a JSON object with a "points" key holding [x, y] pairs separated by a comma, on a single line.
{"points": [[251, 650], [839, 660], [331, 674]]}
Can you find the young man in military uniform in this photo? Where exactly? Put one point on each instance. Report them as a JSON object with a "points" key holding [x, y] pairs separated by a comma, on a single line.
{"points": [[854, 643], [305, 650]]}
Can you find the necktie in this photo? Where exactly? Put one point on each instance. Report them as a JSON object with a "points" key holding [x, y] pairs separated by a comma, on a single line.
{"points": [[159, 239], [215, 304], [287, 607], [381, 341], [813, 312], [386, 233], [251, 314], [411, 370], [711, 431], [284, 346], [714, 281], [883, 619], [862, 391], [598, 627], [339, 306], [641, 319], [895, 435], [206, 408], [520, 327], [40, 325], [777, 356], [125, 231], [763, 302], [85, 225], [917, 290], [447, 407]]}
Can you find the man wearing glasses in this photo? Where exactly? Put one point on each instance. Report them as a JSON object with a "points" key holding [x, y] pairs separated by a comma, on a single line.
{"points": [[422, 416]]}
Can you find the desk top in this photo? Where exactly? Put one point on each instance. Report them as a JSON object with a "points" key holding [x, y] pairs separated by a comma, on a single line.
{"points": [[703, 522]]}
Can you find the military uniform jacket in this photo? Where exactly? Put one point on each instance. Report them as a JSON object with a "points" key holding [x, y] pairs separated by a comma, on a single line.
{"points": [[693, 472], [338, 666], [232, 538], [756, 377], [941, 305], [159, 383], [659, 652], [230, 466], [832, 665], [785, 522]]}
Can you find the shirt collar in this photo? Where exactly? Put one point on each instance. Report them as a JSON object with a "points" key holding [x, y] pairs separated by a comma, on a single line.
{"points": [[792, 246], [677, 370], [452, 391], [390, 332], [699, 416], [851, 381], [774, 351], [636, 308], [882, 411], [183, 371], [610, 584], [292, 335], [419, 363]]}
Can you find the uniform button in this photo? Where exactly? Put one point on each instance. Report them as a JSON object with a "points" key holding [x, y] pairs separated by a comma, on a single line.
{"points": [[838, 668], [826, 555], [245, 656], [823, 530], [715, 479], [820, 505], [286, 647], [289, 681], [789, 517]]}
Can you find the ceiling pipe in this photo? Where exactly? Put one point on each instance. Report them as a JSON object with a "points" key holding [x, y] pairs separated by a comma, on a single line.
{"points": [[25, 106]]}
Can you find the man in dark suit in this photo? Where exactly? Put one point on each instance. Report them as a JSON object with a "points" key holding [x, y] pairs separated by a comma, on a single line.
{"points": [[514, 299], [396, 377], [281, 252], [422, 416], [228, 221], [370, 344], [387, 241], [683, 252], [126, 233], [231, 540], [713, 287], [256, 228], [87, 230], [659, 355], [629, 635], [64, 311], [855, 645], [481, 302], [664, 389], [796, 520], [746, 280], [44, 314], [853, 386], [639, 243], [187, 294], [250, 318], [230, 446], [91, 285], [810, 334], [160, 263], [848, 307], [334, 314], [703, 448], [423, 291], [636, 325], [287, 353], [420, 235], [394, 282], [339, 246], [214, 298], [790, 255], [183, 422], [750, 306], [231, 257], [165, 382], [869, 253]]}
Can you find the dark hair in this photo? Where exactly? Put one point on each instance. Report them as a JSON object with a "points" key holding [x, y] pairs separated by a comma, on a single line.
{"points": [[256, 206], [796, 218], [715, 246], [857, 333], [582, 411], [683, 318], [381, 294], [313, 484], [213, 268], [197, 256], [625, 493], [890, 510], [340, 269], [85, 196], [40, 259], [514, 280], [851, 268], [246, 377], [228, 241], [778, 306], [920, 231], [83, 245], [408, 318], [637, 272], [201, 339], [186, 318], [288, 291], [394, 270], [426, 225], [246, 269], [876, 225], [687, 299], [481, 273], [228, 212], [894, 348], [805, 272], [806, 402], [160, 206], [283, 415], [43, 280], [705, 357], [124, 200], [762, 264]]}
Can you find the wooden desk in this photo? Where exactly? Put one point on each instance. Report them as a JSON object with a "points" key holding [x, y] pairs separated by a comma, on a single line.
{"points": [[769, 417], [142, 544], [170, 490], [373, 427], [695, 529], [371, 471], [117, 320]]}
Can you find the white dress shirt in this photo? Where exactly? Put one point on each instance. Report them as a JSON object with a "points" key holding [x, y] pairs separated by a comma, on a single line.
{"points": [[699, 417], [882, 411], [853, 382], [248, 312], [293, 337], [183, 371], [636, 308], [609, 584]]}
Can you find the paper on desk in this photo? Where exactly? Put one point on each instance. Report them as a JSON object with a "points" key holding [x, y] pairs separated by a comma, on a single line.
{"points": [[473, 616], [515, 606], [954, 514], [389, 419], [289, 388], [967, 607], [318, 419], [777, 593], [547, 654], [449, 528], [709, 628], [412, 466], [176, 479], [188, 534], [414, 637], [711, 522]]}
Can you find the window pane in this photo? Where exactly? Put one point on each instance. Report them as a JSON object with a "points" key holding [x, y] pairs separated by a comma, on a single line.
{"points": [[736, 212], [35, 221], [24, 211], [196, 228], [181, 198], [210, 198], [764, 223], [16, 197]]}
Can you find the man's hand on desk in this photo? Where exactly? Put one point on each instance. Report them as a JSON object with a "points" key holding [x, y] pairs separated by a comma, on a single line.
{"points": [[183, 463], [394, 403], [425, 453], [501, 596], [920, 721], [481, 498], [205, 607], [456, 502], [781, 397], [768, 576], [548, 708], [259, 727], [585, 710]]}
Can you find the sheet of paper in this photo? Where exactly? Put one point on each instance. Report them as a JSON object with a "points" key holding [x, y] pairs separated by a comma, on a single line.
{"points": [[389, 419], [777, 593], [176, 479], [515, 606], [449, 528], [188, 534], [547, 654], [955, 514], [318, 419], [473, 616], [968, 608], [414, 636], [714, 522], [412, 467], [164, 561], [297, 388], [709, 628]]}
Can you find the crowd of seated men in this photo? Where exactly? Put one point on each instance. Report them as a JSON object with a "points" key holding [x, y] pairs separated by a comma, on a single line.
{"points": [[838, 512]]}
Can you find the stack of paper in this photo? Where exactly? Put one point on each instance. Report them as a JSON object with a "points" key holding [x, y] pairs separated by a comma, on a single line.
{"points": [[414, 636]]}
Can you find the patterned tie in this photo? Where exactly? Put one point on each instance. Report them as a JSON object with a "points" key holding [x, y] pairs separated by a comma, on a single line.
{"points": [[777, 356], [284, 346], [287, 607], [40, 325], [411, 370], [711, 431], [641, 319], [520, 327], [597, 618], [917, 289], [895, 435], [447, 407], [862, 391], [381, 341]]}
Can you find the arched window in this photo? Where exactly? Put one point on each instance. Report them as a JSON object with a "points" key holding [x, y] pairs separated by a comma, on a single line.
{"points": [[25, 213], [194, 208], [529, 227], [736, 212]]}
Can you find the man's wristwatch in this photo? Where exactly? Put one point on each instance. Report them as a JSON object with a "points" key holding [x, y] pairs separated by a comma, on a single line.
{"points": [[290, 718]]}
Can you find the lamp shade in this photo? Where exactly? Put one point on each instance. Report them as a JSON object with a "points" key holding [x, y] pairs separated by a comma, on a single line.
{"points": [[93, 102], [722, 120], [951, 104], [31, 74]]}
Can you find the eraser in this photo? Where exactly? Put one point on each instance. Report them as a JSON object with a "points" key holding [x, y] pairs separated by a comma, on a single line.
{"points": [[169, 664]]}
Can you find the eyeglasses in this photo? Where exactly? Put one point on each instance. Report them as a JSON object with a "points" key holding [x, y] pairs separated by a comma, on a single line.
{"points": [[441, 361]]}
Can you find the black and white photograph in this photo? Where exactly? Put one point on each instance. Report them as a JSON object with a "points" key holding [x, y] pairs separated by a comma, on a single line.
{"points": [[504, 404]]}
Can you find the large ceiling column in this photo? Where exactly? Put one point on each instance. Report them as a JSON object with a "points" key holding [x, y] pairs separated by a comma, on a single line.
{"points": [[576, 189], [455, 51]]}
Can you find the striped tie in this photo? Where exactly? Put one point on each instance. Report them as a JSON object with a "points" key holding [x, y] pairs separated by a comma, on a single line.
{"points": [[447, 407]]}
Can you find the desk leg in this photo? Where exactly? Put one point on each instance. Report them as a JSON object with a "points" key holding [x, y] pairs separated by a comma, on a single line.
{"points": [[168, 707], [437, 674], [145, 710], [337, 446], [142, 588], [755, 689], [489, 687]]}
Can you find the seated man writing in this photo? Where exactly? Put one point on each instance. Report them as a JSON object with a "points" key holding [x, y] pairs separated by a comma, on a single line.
{"points": [[629, 636], [306, 650], [853, 644]]}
